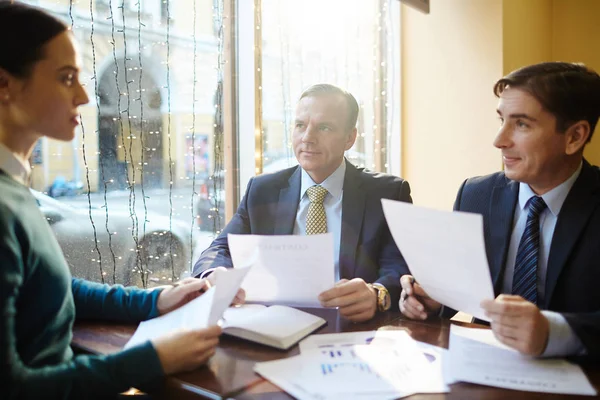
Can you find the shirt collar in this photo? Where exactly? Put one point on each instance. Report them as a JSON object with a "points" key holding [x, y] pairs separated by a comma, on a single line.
{"points": [[14, 166], [554, 198], [334, 182]]}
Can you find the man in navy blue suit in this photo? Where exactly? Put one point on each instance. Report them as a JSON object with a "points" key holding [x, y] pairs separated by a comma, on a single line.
{"points": [[541, 215], [368, 261]]}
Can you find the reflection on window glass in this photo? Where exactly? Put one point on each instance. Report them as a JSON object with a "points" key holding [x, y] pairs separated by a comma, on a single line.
{"points": [[145, 145], [323, 41]]}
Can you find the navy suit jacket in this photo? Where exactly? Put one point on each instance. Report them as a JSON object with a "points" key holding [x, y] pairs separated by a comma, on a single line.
{"points": [[573, 276], [367, 249]]}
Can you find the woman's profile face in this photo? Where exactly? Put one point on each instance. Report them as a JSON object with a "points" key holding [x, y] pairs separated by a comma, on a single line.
{"points": [[46, 102]]}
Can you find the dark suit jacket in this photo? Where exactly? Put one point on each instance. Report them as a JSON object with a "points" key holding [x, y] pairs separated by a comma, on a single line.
{"points": [[573, 276], [367, 249]]}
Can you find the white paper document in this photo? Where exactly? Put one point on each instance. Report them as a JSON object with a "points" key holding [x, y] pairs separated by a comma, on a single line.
{"points": [[193, 315], [283, 373], [227, 284], [199, 313], [390, 366], [445, 252], [476, 356], [286, 269], [382, 366], [390, 338]]}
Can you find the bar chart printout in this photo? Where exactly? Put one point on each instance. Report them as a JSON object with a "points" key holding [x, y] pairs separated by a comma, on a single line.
{"points": [[376, 365], [378, 368]]}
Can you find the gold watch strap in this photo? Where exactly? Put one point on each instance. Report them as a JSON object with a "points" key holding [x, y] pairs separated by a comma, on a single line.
{"points": [[383, 296]]}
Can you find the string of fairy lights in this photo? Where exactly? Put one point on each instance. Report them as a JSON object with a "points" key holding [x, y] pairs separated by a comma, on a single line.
{"points": [[168, 64], [85, 162], [193, 129], [140, 98], [284, 48], [218, 153], [124, 119], [119, 119], [136, 109], [132, 169]]}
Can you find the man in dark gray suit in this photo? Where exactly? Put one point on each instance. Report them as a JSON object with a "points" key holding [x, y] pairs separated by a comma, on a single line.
{"points": [[368, 261], [541, 215]]}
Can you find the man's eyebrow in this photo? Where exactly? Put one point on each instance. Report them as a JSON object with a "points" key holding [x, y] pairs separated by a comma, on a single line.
{"points": [[518, 115], [523, 116]]}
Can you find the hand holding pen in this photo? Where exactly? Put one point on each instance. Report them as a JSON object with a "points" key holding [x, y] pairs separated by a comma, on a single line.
{"points": [[414, 301]]}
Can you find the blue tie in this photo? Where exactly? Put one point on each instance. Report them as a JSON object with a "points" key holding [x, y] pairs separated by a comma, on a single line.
{"points": [[525, 275]]}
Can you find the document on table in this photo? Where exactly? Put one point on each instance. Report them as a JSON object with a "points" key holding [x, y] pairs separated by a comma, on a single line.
{"points": [[283, 373], [445, 252], [357, 371], [391, 362], [476, 356], [199, 313], [390, 338], [287, 269]]}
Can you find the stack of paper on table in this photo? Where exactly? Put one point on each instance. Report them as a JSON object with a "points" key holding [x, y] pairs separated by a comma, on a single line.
{"points": [[390, 338], [286, 269], [333, 366], [476, 356]]}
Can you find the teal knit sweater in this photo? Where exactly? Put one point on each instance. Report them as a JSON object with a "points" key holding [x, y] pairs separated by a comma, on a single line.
{"points": [[39, 301]]}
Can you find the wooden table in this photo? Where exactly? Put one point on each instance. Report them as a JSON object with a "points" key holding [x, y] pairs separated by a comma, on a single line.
{"points": [[229, 374]]}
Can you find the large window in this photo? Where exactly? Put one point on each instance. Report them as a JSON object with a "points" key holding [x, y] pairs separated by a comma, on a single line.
{"points": [[349, 44], [140, 192], [132, 198]]}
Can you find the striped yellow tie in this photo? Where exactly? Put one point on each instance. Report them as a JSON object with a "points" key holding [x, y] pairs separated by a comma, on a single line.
{"points": [[316, 220]]}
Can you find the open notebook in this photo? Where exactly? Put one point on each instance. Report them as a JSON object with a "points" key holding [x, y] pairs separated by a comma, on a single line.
{"points": [[276, 326]]}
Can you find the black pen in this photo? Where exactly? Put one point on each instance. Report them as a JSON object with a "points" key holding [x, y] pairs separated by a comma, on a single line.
{"points": [[412, 284], [413, 281]]}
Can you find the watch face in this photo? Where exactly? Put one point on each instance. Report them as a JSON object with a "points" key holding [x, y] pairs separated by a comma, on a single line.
{"points": [[386, 303], [383, 297]]}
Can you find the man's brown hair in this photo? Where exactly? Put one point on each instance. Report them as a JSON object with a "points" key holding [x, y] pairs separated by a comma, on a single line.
{"points": [[326, 88], [569, 91]]}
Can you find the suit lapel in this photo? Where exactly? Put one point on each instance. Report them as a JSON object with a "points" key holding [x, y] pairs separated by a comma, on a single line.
{"points": [[581, 201], [287, 206], [353, 208], [502, 210]]}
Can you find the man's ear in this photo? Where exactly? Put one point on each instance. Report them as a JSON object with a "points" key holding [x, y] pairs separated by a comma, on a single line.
{"points": [[577, 136], [351, 139]]}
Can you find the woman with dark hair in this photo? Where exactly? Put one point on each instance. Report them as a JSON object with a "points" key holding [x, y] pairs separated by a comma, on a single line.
{"points": [[40, 94]]}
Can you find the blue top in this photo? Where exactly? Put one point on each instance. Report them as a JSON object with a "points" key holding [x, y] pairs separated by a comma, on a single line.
{"points": [[39, 301]]}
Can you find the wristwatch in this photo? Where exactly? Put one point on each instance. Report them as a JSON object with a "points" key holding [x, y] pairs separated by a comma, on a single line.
{"points": [[383, 296]]}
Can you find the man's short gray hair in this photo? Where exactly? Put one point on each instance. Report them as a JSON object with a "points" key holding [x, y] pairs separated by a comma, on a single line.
{"points": [[326, 88]]}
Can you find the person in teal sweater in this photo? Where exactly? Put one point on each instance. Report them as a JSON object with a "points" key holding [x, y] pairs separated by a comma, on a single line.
{"points": [[40, 94]]}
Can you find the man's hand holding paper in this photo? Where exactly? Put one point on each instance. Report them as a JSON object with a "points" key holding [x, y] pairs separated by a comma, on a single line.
{"points": [[518, 323], [445, 253]]}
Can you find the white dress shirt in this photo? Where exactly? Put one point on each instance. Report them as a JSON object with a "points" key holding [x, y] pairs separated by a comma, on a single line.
{"points": [[333, 208], [14, 166], [562, 340]]}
